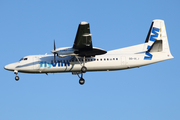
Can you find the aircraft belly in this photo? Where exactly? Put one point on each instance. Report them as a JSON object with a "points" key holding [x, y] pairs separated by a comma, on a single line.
{"points": [[55, 69]]}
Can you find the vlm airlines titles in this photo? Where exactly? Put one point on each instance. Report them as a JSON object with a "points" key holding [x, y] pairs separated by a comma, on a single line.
{"points": [[57, 64]]}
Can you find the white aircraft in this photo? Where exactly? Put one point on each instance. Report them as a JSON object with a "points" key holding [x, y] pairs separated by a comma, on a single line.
{"points": [[83, 57]]}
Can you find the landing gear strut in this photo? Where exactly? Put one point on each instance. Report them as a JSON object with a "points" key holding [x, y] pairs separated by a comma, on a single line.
{"points": [[83, 70], [17, 77]]}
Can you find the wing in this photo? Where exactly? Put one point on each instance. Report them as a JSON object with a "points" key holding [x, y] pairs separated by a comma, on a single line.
{"points": [[83, 42], [83, 39]]}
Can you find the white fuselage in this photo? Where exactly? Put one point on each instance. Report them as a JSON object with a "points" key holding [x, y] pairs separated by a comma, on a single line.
{"points": [[107, 62]]}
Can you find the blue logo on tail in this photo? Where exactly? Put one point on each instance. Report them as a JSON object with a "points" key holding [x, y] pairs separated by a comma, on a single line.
{"points": [[148, 56], [152, 38], [154, 31]]}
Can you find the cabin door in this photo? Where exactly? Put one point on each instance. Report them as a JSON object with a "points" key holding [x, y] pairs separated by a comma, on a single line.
{"points": [[123, 60]]}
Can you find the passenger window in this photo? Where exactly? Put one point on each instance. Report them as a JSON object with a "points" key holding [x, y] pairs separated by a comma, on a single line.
{"points": [[116, 58]]}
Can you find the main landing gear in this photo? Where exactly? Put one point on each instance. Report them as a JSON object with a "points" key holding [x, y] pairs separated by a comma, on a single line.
{"points": [[17, 77], [81, 79], [83, 70]]}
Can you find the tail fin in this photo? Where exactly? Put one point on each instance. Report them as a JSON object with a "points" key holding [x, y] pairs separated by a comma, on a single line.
{"points": [[156, 40]]}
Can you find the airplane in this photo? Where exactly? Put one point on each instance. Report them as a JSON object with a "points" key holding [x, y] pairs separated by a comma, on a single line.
{"points": [[82, 57]]}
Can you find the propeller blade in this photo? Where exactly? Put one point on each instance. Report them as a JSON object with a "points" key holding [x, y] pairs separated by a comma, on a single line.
{"points": [[54, 52], [54, 58], [54, 45]]}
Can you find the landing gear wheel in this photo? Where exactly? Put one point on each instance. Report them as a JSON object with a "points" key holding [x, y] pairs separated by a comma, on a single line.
{"points": [[17, 78], [81, 81], [83, 69]]}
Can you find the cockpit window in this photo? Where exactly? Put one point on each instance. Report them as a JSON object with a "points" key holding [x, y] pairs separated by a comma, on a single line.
{"points": [[23, 59]]}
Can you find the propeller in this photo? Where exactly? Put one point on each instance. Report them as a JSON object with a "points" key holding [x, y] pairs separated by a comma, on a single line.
{"points": [[54, 52]]}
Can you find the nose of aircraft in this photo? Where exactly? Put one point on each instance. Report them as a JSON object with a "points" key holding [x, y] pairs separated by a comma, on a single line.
{"points": [[6, 67], [10, 66]]}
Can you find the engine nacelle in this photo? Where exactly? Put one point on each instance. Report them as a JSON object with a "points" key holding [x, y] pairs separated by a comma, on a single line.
{"points": [[65, 51]]}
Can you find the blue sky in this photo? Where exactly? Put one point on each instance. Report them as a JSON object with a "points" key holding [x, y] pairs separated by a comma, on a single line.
{"points": [[29, 27]]}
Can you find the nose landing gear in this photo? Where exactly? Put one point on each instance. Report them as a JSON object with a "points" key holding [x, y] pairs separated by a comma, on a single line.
{"points": [[17, 77]]}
